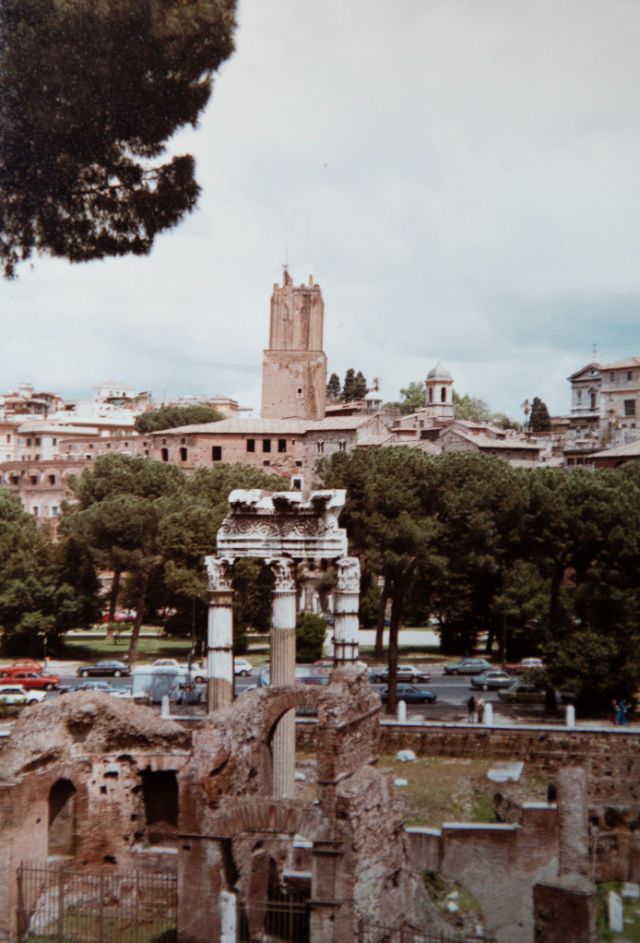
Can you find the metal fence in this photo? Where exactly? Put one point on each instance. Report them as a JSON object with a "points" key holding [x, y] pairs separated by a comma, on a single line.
{"points": [[370, 933], [286, 920], [60, 904]]}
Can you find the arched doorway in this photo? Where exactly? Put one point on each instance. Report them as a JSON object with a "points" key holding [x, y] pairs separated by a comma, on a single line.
{"points": [[62, 818]]}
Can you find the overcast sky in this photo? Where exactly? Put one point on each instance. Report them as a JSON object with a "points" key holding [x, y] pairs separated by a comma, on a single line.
{"points": [[462, 177]]}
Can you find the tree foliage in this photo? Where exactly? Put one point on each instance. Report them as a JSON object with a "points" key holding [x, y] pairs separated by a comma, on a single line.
{"points": [[156, 524], [334, 388], [171, 417], [539, 419], [542, 561], [91, 91], [310, 633]]}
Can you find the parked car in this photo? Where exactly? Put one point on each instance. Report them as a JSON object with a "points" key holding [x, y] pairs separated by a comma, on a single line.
{"points": [[304, 675], [521, 693], [103, 687], [33, 680], [407, 673], [15, 695], [527, 664], [197, 672], [411, 693], [468, 666], [242, 667], [22, 664], [492, 680], [104, 668]]}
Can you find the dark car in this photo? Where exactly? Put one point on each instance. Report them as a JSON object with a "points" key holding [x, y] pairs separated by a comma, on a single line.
{"points": [[103, 669], [102, 686], [521, 693], [492, 680], [408, 673], [411, 693], [468, 666]]}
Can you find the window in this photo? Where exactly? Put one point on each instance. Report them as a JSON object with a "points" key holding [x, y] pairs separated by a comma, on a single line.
{"points": [[216, 453], [629, 407], [298, 464], [91, 445], [296, 483], [34, 511], [342, 445], [443, 395], [182, 441], [164, 454], [612, 377], [592, 400], [320, 446], [431, 394], [54, 441], [579, 396], [629, 375], [282, 445], [37, 442], [183, 454], [8, 438], [266, 463], [54, 510], [28, 441], [33, 479], [266, 445], [52, 479], [251, 445], [299, 391]]}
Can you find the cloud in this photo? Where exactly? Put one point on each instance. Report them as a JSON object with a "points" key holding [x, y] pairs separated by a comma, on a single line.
{"points": [[460, 177]]}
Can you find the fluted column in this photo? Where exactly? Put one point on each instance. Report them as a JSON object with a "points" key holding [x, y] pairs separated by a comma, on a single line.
{"points": [[283, 671], [347, 605], [219, 633]]}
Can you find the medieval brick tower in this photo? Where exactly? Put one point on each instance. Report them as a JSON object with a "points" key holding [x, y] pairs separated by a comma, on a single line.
{"points": [[294, 370]]}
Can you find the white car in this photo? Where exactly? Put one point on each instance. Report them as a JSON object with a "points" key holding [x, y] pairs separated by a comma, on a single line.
{"points": [[15, 695], [242, 667], [197, 672]]}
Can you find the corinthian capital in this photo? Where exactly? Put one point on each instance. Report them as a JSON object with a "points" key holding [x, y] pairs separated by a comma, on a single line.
{"points": [[219, 573], [285, 573], [348, 575]]}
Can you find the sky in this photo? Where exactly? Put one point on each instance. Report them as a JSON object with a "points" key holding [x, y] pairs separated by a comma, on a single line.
{"points": [[461, 177]]}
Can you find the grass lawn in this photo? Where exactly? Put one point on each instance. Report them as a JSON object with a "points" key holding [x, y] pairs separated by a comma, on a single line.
{"points": [[86, 648]]}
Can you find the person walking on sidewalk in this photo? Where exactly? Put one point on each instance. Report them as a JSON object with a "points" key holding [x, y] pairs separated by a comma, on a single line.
{"points": [[471, 709]]}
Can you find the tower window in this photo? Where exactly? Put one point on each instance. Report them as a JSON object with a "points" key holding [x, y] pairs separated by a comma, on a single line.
{"points": [[299, 391], [443, 395], [251, 445], [266, 445], [183, 454], [342, 445], [216, 453], [320, 446], [164, 455], [282, 445]]}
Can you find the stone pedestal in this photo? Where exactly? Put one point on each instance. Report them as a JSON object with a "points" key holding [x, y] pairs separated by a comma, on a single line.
{"points": [[347, 603], [283, 671], [219, 634]]}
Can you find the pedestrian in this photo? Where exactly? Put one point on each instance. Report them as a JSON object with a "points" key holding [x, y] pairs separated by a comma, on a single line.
{"points": [[480, 710], [614, 711], [621, 716], [471, 709]]}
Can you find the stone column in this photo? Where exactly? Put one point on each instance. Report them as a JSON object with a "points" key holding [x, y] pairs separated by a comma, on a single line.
{"points": [[573, 815], [347, 604], [283, 671], [219, 634]]}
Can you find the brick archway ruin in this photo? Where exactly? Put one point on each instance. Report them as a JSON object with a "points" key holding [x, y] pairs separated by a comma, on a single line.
{"points": [[282, 529]]}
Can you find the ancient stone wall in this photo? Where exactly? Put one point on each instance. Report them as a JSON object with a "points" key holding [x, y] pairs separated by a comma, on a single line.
{"points": [[611, 758]]}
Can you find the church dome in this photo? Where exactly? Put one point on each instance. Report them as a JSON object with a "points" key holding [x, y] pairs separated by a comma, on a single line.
{"points": [[439, 373]]}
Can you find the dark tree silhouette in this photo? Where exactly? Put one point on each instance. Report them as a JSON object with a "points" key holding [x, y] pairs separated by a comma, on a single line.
{"points": [[89, 95]]}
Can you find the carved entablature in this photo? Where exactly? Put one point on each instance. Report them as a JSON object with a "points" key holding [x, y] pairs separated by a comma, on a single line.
{"points": [[272, 524], [348, 580], [219, 573]]}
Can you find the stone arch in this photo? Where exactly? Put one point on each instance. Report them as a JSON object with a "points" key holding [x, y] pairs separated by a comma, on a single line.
{"points": [[61, 838]]}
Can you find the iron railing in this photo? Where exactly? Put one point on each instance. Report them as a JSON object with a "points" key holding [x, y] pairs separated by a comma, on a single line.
{"points": [[284, 920], [62, 904], [371, 933]]}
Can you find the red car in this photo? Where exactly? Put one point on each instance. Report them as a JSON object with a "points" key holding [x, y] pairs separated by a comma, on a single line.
{"points": [[22, 664], [32, 680]]}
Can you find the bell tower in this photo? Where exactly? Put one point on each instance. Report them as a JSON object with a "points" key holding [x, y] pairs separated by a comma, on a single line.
{"points": [[294, 369], [439, 393]]}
